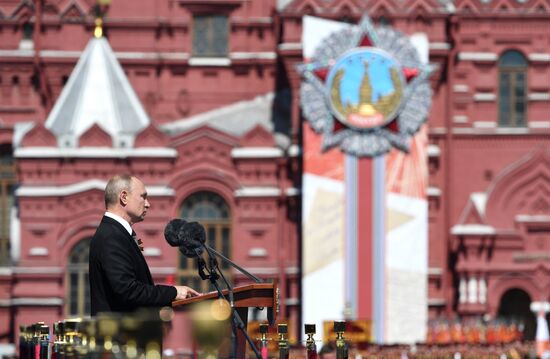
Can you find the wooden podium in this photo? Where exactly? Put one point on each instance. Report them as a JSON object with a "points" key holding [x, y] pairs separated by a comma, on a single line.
{"points": [[264, 295]]}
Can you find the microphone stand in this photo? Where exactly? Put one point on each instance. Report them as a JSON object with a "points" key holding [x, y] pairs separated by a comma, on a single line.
{"points": [[233, 264], [237, 323]]}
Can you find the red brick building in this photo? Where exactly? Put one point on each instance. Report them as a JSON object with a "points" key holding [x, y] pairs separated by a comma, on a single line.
{"points": [[219, 141]]}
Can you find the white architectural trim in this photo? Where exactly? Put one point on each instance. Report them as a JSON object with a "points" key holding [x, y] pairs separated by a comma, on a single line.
{"points": [[540, 307], [436, 302], [94, 152], [484, 97], [460, 88], [434, 151], [495, 131], [15, 235], [210, 61], [67, 190], [538, 124], [435, 271], [477, 56], [38, 252], [294, 151], [257, 252], [50, 301], [439, 46], [292, 191], [292, 301], [433, 192], [290, 46], [541, 57], [532, 218], [258, 192], [152, 252], [6, 271], [484, 124], [472, 229], [256, 152], [142, 55], [538, 96], [460, 119], [479, 199], [267, 55]]}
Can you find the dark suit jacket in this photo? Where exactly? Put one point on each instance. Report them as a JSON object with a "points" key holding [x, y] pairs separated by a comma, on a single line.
{"points": [[120, 280]]}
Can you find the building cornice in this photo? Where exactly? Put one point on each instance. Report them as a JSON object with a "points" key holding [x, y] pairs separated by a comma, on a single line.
{"points": [[67, 190], [94, 152], [256, 152], [472, 229], [477, 56]]}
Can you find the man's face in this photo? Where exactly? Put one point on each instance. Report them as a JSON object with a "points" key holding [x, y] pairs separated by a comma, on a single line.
{"points": [[136, 201]]}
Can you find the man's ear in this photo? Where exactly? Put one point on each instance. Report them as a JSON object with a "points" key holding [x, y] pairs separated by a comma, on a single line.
{"points": [[123, 197]]}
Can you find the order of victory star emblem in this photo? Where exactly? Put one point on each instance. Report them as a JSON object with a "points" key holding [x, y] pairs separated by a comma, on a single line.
{"points": [[366, 90]]}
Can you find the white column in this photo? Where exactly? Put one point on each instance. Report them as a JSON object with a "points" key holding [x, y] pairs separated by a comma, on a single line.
{"points": [[462, 290], [472, 290], [482, 290]]}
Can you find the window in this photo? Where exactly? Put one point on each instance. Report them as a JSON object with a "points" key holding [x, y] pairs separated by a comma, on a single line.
{"points": [[7, 188], [212, 212], [78, 303], [512, 89], [210, 35]]}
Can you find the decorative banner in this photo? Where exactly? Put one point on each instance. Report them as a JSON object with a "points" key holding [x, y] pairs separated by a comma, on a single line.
{"points": [[365, 90]]}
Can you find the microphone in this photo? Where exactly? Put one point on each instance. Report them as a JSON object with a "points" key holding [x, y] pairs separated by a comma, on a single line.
{"points": [[192, 236], [171, 232]]}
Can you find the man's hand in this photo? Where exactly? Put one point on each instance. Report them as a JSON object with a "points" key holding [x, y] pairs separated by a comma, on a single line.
{"points": [[185, 292]]}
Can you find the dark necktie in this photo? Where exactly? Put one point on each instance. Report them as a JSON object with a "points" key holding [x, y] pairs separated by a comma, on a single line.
{"points": [[137, 240]]}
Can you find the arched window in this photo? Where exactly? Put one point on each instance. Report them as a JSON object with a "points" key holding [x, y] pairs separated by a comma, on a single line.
{"points": [[212, 212], [515, 306], [7, 187], [512, 87], [78, 287]]}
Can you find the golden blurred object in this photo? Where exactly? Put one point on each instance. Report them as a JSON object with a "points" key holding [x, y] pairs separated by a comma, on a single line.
{"points": [[98, 31]]}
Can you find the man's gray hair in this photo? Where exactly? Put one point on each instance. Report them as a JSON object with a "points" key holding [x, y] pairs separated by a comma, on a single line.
{"points": [[116, 184]]}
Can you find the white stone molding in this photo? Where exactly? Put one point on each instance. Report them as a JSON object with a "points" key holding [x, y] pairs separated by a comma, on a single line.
{"points": [[290, 46], [38, 252], [258, 192], [462, 290], [538, 124], [538, 96], [460, 88], [294, 151], [433, 192], [439, 46], [472, 290], [152, 252], [434, 151], [43, 302], [484, 97], [257, 252], [74, 188], [460, 119], [482, 291], [256, 152], [484, 124], [94, 152], [210, 61], [477, 56], [472, 229]]}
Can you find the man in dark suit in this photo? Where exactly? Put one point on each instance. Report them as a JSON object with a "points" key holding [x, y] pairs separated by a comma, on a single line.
{"points": [[120, 280]]}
